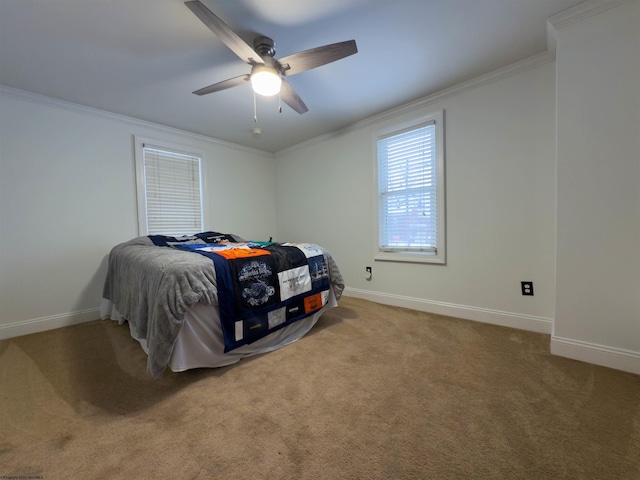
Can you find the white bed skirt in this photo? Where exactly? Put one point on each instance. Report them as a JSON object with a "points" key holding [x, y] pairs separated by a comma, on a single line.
{"points": [[200, 342]]}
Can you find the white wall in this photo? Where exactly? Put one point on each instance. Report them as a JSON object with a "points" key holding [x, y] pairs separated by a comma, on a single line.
{"points": [[67, 196], [598, 263], [500, 190]]}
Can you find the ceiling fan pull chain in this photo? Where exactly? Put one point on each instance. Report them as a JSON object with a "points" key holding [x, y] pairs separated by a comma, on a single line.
{"points": [[255, 109], [279, 103]]}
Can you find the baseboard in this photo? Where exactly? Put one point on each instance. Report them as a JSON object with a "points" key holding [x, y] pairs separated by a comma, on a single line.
{"points": [[619, 359], [36, 325], [495, 317], [625, 360]]}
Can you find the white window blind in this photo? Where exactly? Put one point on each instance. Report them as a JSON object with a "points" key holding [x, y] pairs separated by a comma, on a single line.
{"points": [[407, 191], [172, 189]]}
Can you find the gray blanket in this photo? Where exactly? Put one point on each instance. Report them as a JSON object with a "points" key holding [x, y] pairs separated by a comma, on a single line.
{"points": [[153, 288]]}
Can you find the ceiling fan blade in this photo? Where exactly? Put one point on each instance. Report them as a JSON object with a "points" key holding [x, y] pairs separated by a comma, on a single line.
{"points": [[230, 38], [289, 96], [216, 87], [316, 57]]}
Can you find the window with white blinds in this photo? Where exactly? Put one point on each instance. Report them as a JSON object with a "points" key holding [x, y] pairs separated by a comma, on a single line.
{"points": [[169, 192], [411, 193]]}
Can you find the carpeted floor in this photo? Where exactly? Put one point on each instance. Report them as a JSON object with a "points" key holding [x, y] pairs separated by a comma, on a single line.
{"points": [[373, 392]]}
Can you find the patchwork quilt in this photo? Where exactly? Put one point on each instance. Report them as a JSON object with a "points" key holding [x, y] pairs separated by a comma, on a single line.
{"points": [[264, 286]]}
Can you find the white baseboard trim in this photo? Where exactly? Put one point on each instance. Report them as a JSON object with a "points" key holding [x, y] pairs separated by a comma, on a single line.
{"points": [[625, 360], [485, 315], [41, 324]]}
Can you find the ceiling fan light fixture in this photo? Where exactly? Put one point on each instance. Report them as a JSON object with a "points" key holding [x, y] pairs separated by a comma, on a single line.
{"points": [[265, 80]]}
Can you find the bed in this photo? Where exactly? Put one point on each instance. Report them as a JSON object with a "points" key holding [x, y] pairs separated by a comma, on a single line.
{"points": [[210, 299]]}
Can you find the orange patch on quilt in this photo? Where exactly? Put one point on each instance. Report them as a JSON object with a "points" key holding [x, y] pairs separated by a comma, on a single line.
{"points": [[313, 303], [232, 253]]}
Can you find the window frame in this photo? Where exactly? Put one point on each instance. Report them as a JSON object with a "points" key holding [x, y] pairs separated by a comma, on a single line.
{"points": [[190, 150], [400, 255]]}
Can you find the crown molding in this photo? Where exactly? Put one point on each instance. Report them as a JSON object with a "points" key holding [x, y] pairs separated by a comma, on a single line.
{"points": [[581, 12], [576, 14], [11, 92], [494, 76], [558, 21]]}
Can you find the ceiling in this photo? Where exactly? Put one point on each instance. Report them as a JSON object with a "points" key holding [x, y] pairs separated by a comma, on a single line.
{"points": [[143, 58]]}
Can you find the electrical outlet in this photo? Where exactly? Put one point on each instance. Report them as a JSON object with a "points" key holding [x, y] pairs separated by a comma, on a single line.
{"points": [[527, 288], [368, 276]]}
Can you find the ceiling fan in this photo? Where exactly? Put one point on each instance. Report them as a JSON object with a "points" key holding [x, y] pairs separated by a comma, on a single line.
{"points": [[267, 72]]}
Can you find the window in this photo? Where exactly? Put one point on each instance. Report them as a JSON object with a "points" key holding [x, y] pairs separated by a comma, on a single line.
{"points": [[169, 190], [411, 222]]}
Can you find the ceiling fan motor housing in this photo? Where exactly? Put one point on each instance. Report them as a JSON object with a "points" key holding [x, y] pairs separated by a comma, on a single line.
{"points": [[264, 46]]}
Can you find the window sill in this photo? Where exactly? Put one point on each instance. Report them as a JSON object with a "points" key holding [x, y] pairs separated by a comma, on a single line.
{"points": [[410, 257]]}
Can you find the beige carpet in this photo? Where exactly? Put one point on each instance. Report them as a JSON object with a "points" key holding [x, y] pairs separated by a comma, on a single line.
{"points": [[373, 392]]}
